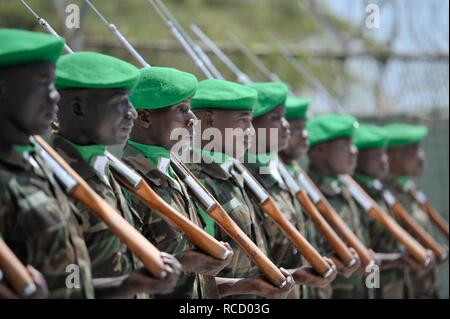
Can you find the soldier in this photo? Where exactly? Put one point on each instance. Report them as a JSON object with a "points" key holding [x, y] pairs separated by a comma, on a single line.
{"points": [[36, 218], [95, 112], [162, 99], [227, 107], [296, 110], [331, 153], [272, 134], [406, 161], [371, 168]]}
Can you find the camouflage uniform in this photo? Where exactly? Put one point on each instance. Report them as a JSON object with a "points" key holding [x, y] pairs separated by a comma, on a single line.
{"points": [[312, 236], [227, 186], [341, 200], [109, 256], [418, 285], [157, 172], [392, 281], [40, 224], [281, 250]]}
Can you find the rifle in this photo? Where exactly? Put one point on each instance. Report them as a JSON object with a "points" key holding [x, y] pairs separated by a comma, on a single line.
{"points": [[183, 39], [137, 185], [123, 41], [334, 219], [47, 27], [421, 234], [302, 197], [423, 201], [268, 206], [415, 249], [216, 212], [15, 272], [78, 189]]}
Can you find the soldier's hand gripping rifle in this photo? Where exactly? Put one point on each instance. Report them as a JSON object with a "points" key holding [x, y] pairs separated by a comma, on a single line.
{"points": [[268, 206], [217, 213], [78, 189], [415, 249], [327, 231], [411, 224], [15, 272], [137, 185]]}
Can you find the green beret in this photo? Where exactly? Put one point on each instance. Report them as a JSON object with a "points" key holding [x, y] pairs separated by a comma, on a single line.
{"points": [[399, 135], [160, 87], [224, 95], [270, 95], [93, 70], [324, 128], [20, 47], [369, 136], [296, 108]]}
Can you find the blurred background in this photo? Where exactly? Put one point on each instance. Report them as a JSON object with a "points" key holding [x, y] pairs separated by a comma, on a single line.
{"points": [[396, 72]]}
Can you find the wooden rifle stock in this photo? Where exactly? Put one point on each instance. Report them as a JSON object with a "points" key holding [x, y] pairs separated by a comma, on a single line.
{"points": [[335, 241], [373, 210], [305, 248], [215, 210], [302, 197], [136, 242], [435, 217], [268, 206], [197, 236], [337, 222], [417, 230], [15, 272]]}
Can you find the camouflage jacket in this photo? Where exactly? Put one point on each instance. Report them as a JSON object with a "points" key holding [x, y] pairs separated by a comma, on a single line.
{"points": [[109, 256], [418, 285], [342, 201], [40, 224], [155, 168], [227, 186]]}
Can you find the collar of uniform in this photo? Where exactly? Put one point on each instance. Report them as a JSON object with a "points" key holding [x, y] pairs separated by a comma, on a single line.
{"points": [[151, 161], [216, 164], [261, 159], [23, 149], [87, 152], [368, 181], [266, 180], [329, 185], [12, 157], [293, 168], [72, 156], [405, 182], [151, 152]]}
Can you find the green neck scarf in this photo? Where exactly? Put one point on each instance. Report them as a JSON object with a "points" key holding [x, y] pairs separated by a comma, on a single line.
{"points": [[262, 160], [22, 149], [214, 157], [88, 152], [364, 179], [151, 152]]}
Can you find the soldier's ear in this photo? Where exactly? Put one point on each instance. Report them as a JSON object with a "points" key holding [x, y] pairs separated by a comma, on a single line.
{"points": [[77, 107], [143, 119], [209, 118]]}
